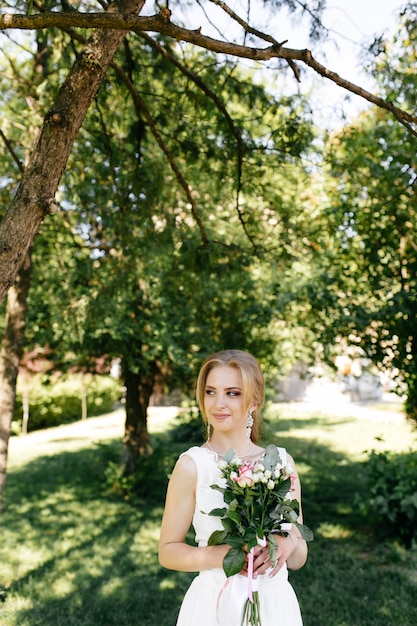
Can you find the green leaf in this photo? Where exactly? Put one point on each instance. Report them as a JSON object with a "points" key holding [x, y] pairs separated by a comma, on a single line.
{"points": [[272, 548], [305, 531], [234, 541], [217, 538], [233, 505], [218, 512], [229, 497], [228, 524], [234, 516], [250, 537], [234, 561], [284, 488]]}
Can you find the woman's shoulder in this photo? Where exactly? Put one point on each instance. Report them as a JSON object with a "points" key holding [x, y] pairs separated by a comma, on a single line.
{"points": [[196, 463], [186, 466], [196, 456], [194, 452]]}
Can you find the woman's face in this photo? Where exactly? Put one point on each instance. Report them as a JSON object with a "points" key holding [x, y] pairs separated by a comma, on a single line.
{"points": [[224, 399]]}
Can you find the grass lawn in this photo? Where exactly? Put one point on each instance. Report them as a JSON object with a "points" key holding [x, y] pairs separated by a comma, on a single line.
{"points": [[72, 554]]}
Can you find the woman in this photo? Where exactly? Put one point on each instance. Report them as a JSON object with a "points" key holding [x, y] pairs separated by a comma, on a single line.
{"points": [[230, 394]]}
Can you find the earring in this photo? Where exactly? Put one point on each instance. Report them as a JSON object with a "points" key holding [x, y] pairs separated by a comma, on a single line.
{"points": [[249, 424], [208, 431]]}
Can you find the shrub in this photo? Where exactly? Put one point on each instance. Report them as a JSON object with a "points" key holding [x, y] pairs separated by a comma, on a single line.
{"points": [[189, 427], [60, 402], [391, 507], [148, 484]]}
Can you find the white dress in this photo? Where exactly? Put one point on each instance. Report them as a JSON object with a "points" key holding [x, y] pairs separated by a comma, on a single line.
{"points": [[212, 599]]}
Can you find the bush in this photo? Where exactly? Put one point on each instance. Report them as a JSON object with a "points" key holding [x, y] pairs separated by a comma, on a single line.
{"points": [[58, 403], [392, 504], [189, 427], [149, 482]]}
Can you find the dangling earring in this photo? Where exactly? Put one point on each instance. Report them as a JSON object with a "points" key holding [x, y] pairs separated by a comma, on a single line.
{"points": [[249, 424], [208, 431]]}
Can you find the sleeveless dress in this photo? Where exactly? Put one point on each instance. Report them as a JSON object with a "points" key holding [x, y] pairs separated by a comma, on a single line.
{"points": [[213, 599]]}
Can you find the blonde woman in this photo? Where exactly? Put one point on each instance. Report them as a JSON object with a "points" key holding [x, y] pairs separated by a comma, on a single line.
{"points": [[230, 394]]}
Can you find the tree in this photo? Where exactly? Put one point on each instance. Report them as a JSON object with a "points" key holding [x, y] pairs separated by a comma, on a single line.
{"points": [[35, 197], [145, 281], [10, 353], [363, 288]]}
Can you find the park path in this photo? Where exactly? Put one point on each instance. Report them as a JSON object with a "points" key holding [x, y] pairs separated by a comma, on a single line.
{"points": [[89, 431], [111, 426]]}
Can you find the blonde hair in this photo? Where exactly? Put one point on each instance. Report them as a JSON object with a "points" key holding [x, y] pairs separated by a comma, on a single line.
{"points": [[253, 382]]}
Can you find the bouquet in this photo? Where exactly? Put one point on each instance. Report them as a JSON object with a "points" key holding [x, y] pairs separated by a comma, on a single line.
{"points": [[258, 506]]}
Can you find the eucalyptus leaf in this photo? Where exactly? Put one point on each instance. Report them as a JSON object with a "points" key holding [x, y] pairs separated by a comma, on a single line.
{"points": [[271, 458], [229, 455]]}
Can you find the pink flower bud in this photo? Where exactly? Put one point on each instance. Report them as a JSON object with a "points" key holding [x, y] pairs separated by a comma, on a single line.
{"points": [[245, 476]]}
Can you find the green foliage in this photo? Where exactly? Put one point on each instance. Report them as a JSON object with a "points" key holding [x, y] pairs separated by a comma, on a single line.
{"points": [[390, 501], [128, 267], [359, 292], [57, 403], [145, 484], [188, 427]]}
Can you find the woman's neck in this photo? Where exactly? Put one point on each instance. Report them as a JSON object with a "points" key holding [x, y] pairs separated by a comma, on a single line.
{"points": [[240, 448]]}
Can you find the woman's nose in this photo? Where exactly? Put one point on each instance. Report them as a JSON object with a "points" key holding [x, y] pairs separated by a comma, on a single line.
{"points": [[220, 400]]}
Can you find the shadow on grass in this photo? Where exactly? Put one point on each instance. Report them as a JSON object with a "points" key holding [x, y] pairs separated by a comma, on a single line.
{"points": [[73, 555]]}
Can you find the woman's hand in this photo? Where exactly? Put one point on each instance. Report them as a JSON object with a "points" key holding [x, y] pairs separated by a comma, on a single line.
{"points": [[261, 559]]}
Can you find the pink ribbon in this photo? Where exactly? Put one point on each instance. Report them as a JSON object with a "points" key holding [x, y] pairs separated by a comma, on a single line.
{"points": [[250, 575], [238, 585], [222, 590]]}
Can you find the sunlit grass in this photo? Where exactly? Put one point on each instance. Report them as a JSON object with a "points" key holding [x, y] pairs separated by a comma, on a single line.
{"points": [[71, 555]]}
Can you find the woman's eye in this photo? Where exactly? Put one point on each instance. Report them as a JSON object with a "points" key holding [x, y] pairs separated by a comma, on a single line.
{"points": [[209, 392], [233, 393]]}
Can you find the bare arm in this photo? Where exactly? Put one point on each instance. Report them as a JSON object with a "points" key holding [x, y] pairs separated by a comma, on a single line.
{"points": [[174, 553]]}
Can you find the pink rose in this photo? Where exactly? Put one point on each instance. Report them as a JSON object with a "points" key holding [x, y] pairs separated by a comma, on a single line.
{"points": [[245, 476]]}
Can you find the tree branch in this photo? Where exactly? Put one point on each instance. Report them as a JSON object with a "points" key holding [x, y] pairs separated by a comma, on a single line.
{"points": [[161, 24], [140, 105], [253, 31], [222, 108], [12, 152]]}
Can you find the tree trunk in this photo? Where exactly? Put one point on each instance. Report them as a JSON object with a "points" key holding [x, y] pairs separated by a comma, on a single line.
{"points": [[25, 407], [10, 355], [35, 195], [136, 441]]}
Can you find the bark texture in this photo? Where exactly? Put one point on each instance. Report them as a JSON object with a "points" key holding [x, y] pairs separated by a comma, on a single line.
{"points": [[35, 196], [10, 355], [136, 438]]}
